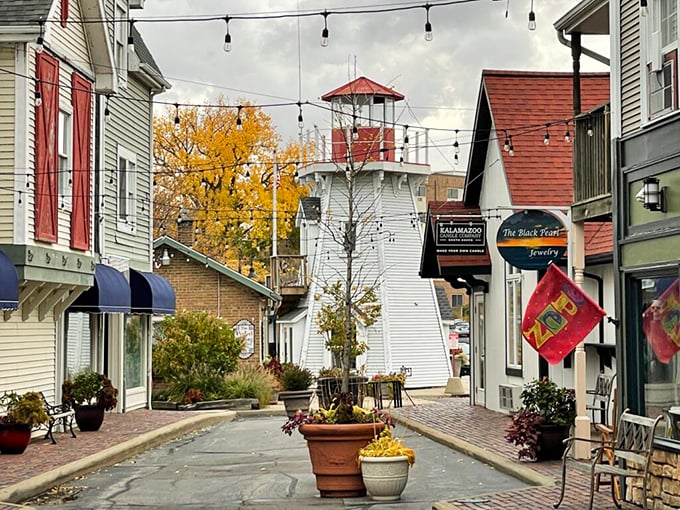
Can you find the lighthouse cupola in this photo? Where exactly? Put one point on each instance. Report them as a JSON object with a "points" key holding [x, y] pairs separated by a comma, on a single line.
{"points": [[362, 121]]}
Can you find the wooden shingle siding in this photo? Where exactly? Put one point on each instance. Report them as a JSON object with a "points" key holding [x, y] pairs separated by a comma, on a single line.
{"points": [[27, 354], [630, 66], [7, 114]]}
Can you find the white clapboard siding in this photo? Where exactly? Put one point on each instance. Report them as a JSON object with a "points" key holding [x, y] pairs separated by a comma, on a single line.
{"points": [[7, 114], [27, 354], [71, 40], [77, 342]]}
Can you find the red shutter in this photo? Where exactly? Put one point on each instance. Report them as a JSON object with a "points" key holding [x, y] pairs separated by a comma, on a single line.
{"points": [[64, 12], [81, 99], [46, 156]]}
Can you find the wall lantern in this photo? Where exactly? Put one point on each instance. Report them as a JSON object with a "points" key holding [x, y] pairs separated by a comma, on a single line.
{"points": [[653, 196]]}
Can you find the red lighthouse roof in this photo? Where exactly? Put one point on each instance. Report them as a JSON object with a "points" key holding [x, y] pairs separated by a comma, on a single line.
{"points": [[364, 86]]}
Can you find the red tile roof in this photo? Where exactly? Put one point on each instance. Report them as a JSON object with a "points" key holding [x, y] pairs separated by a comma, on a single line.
{"points": [[599, 238], [362, 85], [522, 103]]}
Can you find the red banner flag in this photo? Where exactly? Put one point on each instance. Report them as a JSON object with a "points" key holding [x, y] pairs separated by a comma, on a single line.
{"points": [[558, 316], [661, 323]]}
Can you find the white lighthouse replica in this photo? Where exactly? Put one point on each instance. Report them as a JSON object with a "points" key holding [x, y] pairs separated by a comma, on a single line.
{"points": [[364, 188]]}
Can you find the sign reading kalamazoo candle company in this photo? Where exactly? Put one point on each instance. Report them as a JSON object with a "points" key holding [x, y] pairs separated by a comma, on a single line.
{"points": [[531, 239], [460, 237]]}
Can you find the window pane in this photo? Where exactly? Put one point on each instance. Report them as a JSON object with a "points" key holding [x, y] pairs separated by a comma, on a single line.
{"points": [[122, 188], [134, 369]]}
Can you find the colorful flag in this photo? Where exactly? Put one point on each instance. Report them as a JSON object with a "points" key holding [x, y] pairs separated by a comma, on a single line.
{"points": [[558, 316], [661, 323]]}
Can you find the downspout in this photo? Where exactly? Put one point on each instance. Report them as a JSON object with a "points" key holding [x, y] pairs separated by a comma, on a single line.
{"points": [[587, 52]]}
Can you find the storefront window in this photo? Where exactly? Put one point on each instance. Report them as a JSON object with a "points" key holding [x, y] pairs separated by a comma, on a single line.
{"points": [[134, 352], [658, 344]]}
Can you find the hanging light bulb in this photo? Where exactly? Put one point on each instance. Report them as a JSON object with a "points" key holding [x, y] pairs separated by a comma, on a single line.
{"points": [[532, 18], [176, 116], [567, 135], [428, 25], [506, 144], [131, 39], [324, 32], [355, 130], [38, 96], [546, 138], [301, 122], [643, 8], [589, 129], [406, 134], [107, 111], [511, 148], [456, 145], [239, 122], [40, 42], [227, 37], [455, 159]]}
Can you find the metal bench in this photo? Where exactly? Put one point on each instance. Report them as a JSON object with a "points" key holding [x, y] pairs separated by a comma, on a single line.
{"points": [[63, 413], [629, 455]]}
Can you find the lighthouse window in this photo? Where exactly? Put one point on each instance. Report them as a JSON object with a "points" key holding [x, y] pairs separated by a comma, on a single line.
{"points": [[378, 111]]}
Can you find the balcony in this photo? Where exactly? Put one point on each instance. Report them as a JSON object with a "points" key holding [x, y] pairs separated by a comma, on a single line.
{"points": [[289, 279], [592, 166]]}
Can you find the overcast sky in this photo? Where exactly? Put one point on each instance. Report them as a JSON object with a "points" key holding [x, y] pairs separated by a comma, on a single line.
{"points": [[440, 79]]}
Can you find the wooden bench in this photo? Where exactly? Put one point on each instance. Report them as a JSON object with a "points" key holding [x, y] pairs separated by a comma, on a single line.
{"points": [[629, 455], [63, 413]]}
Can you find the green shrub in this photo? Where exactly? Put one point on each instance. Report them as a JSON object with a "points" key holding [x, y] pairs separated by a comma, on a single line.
{"points": [[202, 377], [194, 339], [295, 378], [88, 387], [250, 381]]}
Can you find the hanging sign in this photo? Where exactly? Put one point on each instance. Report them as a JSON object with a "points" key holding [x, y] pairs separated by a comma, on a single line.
{"points": [[245, 330], [460, 237], [531, 239]]}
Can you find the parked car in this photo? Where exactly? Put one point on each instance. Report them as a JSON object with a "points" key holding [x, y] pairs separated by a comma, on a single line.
{"points": [[462, 328]]}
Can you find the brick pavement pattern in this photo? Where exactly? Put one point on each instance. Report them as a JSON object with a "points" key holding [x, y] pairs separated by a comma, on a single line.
{"points": [[486, 429]]}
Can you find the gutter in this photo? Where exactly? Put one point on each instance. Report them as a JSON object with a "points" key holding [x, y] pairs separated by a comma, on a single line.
{"points": [[589, 53]]}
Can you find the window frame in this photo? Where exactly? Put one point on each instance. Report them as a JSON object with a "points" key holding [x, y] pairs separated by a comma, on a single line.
{"points": [[513, 321], [65, 157], [126, 220], [457, 192], [120, 36]]}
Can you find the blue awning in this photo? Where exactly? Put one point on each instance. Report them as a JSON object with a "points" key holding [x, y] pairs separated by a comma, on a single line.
{"points": [[151, 293], [110, 293], [9, 284]]}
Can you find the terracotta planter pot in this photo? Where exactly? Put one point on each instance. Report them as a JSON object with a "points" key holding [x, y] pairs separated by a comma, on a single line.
{"points": [[385, 477], [334, 452], [14, 438], [89, 418]]}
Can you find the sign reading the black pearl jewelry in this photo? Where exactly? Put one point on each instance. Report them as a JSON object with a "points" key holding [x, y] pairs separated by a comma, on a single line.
{"points": [[245, 330], [460, 237], [531, 239]]}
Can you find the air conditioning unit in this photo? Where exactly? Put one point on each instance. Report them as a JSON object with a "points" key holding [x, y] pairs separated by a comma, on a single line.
{"points": [[509, 397]]}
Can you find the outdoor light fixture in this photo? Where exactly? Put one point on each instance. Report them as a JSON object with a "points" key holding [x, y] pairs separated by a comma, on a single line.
{"points": [[643, 7], [428, 25], [532, 18], [227, 36], [40, 42], [653, 196], [324, 32], [131, 38], [165, 258]]}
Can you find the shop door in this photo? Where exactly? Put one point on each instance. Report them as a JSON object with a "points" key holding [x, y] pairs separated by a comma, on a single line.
{"points": [[478, 340]]}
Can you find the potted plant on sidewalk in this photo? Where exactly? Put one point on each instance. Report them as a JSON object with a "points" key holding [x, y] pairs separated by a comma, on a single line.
{"points": [[296, 394], [22, 414], [543, 422], [90, 394], [385, 464]]}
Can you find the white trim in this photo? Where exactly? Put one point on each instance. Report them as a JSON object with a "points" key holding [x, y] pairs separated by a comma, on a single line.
{"points": [[127, 224], [120, 33], [513, 278], [21, 143], [64, 189]]}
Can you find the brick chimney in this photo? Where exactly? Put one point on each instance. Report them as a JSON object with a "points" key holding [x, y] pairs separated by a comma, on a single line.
{"points": [[185, 229]]}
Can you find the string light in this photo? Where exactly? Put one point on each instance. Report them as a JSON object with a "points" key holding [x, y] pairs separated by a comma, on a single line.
{"points": [[301, 122], [355, 130], [589, 128], [506, 144], [511, 148], [107, 111], [405, 135], [324, 32], [567, 134], [546, 138], [428, 25], [37, 96], [131, 38], [643, 8], [456, 145], [40, 42], [239, 122], [176, 116], [532, 18], [227, 36]]}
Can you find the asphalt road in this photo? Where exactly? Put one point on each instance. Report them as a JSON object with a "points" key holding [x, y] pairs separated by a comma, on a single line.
{"points": [[250, 464]]}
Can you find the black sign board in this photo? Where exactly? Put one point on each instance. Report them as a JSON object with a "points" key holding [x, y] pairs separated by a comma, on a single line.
{"points": [[460, 237]]}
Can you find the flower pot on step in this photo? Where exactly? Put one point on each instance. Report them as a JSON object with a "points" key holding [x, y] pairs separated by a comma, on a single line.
{"points": [[295, 401], [385, 477], [89, 418]]}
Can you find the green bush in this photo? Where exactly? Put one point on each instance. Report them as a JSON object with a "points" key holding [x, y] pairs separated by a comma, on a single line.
{"points": [[250, 381], [202, 377], [194, 341], [295, 378]]}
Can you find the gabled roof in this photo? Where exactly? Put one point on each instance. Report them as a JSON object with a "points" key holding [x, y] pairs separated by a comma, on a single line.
{"points": [[364, 86], [511, 101], [24, 12], [309, 209], [213, 264]]}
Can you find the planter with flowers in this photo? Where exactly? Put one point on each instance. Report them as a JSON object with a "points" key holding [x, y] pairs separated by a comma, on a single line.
{"points": [[296, 394], [548, 411], [387, 386], [22, 413], [90, 394], [385, 463]]}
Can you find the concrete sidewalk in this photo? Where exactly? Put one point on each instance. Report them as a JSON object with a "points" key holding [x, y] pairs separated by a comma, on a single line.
{"points": [[472, 430]]}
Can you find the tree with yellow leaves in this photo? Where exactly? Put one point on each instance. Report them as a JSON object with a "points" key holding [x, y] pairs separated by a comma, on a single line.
{"points": [[215, 163]]}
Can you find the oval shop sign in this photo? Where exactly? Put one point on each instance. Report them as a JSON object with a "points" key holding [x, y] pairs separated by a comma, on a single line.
{"points": [[531, 239]]}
